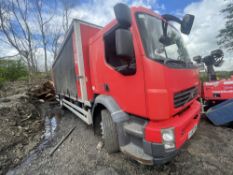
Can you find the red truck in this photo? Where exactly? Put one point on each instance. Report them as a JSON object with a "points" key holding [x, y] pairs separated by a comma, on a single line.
{"points": [[133, 81], [217, 95], [215, 91]]}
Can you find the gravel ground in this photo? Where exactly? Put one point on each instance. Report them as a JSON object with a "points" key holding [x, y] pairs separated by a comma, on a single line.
{"points": [[210, 151]]}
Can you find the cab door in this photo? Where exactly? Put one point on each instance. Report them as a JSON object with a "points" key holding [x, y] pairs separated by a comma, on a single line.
{"points": [[123, 77]]}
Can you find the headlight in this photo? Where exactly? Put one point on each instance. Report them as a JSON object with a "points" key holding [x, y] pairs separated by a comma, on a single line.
{"points": [[168, 138]]}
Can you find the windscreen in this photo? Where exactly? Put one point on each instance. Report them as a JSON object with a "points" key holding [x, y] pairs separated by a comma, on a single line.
{"points": [[159, 44]]}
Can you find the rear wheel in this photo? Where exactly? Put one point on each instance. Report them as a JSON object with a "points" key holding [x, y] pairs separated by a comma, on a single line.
{"points": [[109, 132]]}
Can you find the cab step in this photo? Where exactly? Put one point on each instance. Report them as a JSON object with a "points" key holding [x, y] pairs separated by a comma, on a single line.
{"points": [[134, 128], [137, 153]]}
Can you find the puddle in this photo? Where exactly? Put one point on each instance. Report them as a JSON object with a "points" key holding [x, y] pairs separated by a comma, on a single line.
{"points": [[51, 126]]}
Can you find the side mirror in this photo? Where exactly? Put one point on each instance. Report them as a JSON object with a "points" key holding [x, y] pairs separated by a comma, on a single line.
{"points": [[197, 59], [187, 23], [124, 43], [123, 16]]}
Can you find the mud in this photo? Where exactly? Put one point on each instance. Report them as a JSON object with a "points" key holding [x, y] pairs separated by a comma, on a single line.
{"points": [[209, 151], [26, 126], [25, 144], [20, 127], [13, 88]]}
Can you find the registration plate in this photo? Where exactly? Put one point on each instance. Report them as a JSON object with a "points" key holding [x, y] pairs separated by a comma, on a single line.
{"points": [[192, 131]]}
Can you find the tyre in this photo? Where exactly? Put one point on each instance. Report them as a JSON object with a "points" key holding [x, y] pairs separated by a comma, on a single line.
{"points": [[109, 132]]}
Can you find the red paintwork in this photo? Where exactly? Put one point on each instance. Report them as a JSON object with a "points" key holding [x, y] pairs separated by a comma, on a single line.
{"points": [[222, 87], [148, 93], [76, 64], [163, 86], [128, 91], [86, 33], [182, 124]]}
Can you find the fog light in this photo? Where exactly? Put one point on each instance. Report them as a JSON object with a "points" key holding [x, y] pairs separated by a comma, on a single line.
{"points": [[168, 138]]}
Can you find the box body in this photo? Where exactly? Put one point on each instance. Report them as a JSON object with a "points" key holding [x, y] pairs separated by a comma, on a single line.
{"points": [[71, 69]]}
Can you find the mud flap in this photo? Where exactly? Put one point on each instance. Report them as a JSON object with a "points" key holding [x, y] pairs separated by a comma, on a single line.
{"points": [[221, 114]]}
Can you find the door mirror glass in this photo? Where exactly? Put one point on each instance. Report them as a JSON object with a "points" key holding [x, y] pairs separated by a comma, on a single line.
{"points": [[187, 23], [124, 43]]}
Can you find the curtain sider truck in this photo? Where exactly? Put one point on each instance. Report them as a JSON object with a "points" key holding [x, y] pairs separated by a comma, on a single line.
{"points": [[133, 81]]}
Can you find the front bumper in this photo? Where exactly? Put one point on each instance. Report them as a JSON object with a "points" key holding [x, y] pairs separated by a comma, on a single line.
{"points": [[158, 153], [146, 147]]}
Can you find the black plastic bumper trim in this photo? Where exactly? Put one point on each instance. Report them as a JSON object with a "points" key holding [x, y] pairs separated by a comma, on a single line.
{"points": [[158, 152]]}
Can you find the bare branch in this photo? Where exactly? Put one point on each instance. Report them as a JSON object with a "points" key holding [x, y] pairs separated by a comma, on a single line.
{"points": [[14, 25], [67, 7], [43, 24]]}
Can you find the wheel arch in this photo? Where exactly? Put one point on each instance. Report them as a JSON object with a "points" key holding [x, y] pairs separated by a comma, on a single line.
{"points": [[117, 114], [108, 102]]}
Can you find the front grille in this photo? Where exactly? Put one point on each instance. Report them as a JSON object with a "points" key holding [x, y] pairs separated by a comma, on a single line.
{"points": [[183, 97]]}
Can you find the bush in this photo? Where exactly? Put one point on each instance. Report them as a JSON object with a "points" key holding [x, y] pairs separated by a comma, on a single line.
{"points": [[2, 81], [220, 75], [11, 70]]}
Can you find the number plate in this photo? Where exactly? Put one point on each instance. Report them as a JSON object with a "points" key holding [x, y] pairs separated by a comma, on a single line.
{"points": [[192, 131]]}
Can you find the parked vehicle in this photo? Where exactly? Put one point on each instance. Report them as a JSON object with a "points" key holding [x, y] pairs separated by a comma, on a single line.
{"points": [[132, 80], [217, 95], [215, 91]]}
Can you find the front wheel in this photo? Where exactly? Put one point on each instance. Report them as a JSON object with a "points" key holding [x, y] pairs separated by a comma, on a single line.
{"points": [[109, 132]]}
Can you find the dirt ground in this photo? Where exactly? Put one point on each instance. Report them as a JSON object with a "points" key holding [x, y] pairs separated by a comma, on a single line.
{"points": [[21, 120], [209, 151], [20, 125]]}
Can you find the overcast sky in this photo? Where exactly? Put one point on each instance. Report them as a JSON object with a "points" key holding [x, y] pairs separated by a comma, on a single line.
{"points": [[202, 39]]}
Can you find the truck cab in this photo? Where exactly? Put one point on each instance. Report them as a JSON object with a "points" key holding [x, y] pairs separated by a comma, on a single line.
{"points": [[141, 86]]}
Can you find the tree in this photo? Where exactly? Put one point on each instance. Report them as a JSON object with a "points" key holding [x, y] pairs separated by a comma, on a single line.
{"points": [[55, 36], [67, 6], [43, 24], [16, 30], [31, 25], [226, 35]]}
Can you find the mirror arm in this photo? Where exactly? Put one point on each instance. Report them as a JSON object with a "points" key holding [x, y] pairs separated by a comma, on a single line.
{"points": [[164, 26], [168, 17]]}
